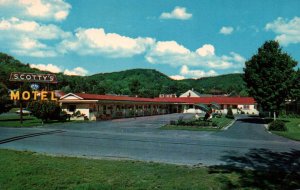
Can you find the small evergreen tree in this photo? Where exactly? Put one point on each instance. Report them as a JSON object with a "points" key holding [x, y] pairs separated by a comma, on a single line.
{"points": [[229, 113]]}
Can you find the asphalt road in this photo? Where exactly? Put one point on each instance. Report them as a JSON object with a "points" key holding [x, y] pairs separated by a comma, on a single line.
{"points": [[245, 143]]}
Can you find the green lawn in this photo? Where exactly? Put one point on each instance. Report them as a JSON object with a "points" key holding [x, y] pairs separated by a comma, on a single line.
{"points": [[28, 170], [221, 123], [293, 126], [13, 120], [25, 170]]}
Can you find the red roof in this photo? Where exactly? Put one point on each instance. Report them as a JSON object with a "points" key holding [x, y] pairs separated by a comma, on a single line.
{"points": [[215, 99], [188, 100]]}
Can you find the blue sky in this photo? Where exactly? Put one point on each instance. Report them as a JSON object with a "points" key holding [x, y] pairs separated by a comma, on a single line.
{"points": [[183, 39]]}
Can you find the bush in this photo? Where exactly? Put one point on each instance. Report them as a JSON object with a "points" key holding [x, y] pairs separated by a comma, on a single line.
{"points": [[45, 110], [214, 124], [77, 113], [264, 114], [277, 125], [63, 116], [172, 122], [181, 121]]}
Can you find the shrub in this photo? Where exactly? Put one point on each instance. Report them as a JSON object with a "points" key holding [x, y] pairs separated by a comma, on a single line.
{"points": [[277, 125], [77, 113], [214, 124], [172, 122], [264, 114], [45, 110], [181, 121]]}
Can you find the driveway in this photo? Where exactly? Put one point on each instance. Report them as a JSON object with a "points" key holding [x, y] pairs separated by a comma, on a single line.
{"points": [[141, 139]]}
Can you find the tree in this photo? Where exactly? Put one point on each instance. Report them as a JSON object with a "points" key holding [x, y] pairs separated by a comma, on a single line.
{"points": [[295, 91], [269, 76], [45, 110], [134, 87], [229, 113], [5, 102]]}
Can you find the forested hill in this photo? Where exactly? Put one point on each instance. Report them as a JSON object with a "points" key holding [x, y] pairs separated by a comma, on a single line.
{"points": [[141, 82]]}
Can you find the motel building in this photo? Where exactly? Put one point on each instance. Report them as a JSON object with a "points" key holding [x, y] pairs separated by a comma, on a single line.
{"points": [[105, 107]]}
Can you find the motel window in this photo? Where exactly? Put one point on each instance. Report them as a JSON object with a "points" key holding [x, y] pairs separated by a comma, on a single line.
{"points": [[71, 108], [246, 107]]}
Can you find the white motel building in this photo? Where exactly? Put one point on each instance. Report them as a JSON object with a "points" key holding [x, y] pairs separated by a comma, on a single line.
{"points": [[104, 107]]}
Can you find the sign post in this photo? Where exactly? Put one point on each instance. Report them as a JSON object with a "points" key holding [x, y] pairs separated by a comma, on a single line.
{"points": [[21, 107]]}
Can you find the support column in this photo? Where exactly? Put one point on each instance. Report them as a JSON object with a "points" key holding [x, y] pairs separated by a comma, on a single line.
{"points": [[134, 110], [114, 111]]}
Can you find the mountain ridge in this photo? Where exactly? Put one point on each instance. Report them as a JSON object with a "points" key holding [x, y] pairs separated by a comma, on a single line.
{"points": [[139, 81]]}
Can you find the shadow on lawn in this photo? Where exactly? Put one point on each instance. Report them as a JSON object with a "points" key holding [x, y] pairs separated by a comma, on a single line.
{"points": [[262, 169], [256, 120]]}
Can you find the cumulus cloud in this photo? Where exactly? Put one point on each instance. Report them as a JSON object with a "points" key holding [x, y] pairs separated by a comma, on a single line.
{"points": [[55, 10], [287, 31], [177, 77], [206, 50], [56, 69], [15, 26], [177, 13], [174, 54], [49, 67], [24, 37], [226, 30], [95, 41], [76, 71], [196, 73]]}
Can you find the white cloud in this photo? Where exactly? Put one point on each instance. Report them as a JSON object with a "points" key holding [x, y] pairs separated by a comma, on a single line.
{"points": [[49, 67], [174, 54], [226, 30], [56, 10], [177, 77], [94, 41], [288, 31], [24, 37], [206, 50], [55, 69], [76, 71], [15, 26], [178, 13], [196, 73]]}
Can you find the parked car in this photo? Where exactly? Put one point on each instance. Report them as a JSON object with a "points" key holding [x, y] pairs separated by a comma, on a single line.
{"points": [[24, 111]]}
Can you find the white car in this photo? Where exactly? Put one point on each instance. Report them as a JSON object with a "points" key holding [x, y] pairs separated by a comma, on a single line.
{"points": [[24, 111]]}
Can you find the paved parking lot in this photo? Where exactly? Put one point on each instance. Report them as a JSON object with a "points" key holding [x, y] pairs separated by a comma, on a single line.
{"points": [[141, 139]]}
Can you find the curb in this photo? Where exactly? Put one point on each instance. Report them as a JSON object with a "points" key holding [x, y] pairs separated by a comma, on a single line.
{"points": [[227, 127], [267, 127]]}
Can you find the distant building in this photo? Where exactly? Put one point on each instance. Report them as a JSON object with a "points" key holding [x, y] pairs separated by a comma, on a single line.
{"points": [[167, 96], [190, 93], [194, 94]]}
